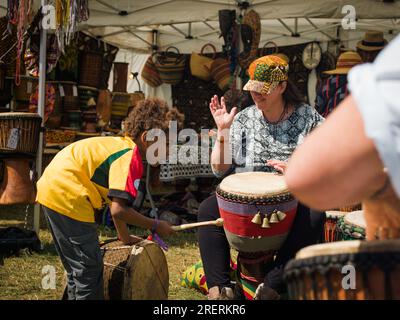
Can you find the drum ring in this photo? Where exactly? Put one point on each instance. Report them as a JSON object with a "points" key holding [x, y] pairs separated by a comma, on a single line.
{"points": [[254, 201]]}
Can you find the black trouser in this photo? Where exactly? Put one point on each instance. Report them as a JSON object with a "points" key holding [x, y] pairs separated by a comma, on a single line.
{"points": [[307, 229]]}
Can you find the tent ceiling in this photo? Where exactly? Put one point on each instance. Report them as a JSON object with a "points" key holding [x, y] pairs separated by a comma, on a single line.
{"points": [[189, 24]]}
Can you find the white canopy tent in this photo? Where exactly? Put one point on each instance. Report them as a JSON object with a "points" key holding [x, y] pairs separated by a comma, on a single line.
{"points": [[189, 24]]}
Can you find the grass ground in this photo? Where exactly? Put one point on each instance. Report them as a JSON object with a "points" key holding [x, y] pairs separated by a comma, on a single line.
{"points": [[21, 277]]}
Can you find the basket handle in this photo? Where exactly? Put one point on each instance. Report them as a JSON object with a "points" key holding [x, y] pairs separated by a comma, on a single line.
{"points": [[169, 52], [209, 45], [265, 46]]}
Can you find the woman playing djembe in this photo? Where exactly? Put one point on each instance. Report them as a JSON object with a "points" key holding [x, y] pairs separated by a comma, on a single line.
{"points": [[262, 137]]}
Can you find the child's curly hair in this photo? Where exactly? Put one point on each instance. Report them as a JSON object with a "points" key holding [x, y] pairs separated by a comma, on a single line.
{"points": [[151, 114]]}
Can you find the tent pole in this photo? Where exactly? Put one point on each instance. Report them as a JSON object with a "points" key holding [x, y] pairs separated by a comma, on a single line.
{"points": [[41, 103]]}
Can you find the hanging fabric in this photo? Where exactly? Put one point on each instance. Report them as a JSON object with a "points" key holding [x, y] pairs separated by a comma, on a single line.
{"points": [[18, 14], [68, 14]]}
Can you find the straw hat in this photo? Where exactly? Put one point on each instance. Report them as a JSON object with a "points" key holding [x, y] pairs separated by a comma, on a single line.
{"points": [[345, 62], [373, 41], [265, 74]]}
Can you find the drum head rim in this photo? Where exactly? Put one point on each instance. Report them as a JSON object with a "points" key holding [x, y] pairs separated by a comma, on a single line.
{"points": [[228, 189], [12, 115], [335, 214], [348, 247], [347, 219]]}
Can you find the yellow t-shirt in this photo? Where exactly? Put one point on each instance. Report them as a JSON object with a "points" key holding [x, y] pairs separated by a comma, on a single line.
{"points": [[83, 176]]}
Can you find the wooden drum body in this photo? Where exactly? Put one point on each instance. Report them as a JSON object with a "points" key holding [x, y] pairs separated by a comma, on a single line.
{"points": [[243, 196], [19, 139], [317, 271], [137, 272], [17, 187]]}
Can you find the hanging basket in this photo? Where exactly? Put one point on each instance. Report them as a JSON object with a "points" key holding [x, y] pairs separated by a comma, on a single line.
{"points": [[150, 73], [265, 48], [170, 66], [220, 71], [200, 65]]}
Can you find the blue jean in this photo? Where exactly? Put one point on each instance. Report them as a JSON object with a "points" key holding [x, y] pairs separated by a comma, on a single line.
{"points": [[77, 244]]}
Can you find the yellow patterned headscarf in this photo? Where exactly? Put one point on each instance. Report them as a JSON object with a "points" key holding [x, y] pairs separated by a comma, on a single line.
{"points": [[265, 74]]}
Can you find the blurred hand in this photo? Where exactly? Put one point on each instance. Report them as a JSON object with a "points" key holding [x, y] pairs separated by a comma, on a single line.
{"points": [[382, 215], [222, 118], [278, 165], [164, 229]]}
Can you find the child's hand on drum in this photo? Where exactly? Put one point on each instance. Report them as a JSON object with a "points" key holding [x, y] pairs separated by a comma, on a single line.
{"points": [[278, 165], [164, 229], [222, 118]]}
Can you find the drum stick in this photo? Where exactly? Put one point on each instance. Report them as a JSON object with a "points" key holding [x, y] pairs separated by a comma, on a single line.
{"points": [[219, 223]]}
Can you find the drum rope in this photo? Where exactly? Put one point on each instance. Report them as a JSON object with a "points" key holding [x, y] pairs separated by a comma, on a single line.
{"points": [[114, 266]]}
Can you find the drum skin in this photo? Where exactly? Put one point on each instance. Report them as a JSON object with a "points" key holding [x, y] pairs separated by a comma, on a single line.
{"points": [[317, 271], [137, 272]]}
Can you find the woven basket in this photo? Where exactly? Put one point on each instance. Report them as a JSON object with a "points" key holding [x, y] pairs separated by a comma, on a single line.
{"points": [[170, 66], [90, 69], [200, 65], [220, 71], [150, 73]]}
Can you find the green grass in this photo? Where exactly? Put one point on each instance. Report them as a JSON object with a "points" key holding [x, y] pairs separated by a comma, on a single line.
{"points": [[21, 276]]}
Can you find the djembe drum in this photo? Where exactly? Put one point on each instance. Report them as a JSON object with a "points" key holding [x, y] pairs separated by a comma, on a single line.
{"points": [[120, 104], [332, 232], [317, 272], [352, 226], [258, 212], [19, 138], [137, 272]]}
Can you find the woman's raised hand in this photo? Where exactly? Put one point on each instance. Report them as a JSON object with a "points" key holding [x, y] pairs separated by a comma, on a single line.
{"points": [[222, 118], [278, 165]]}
